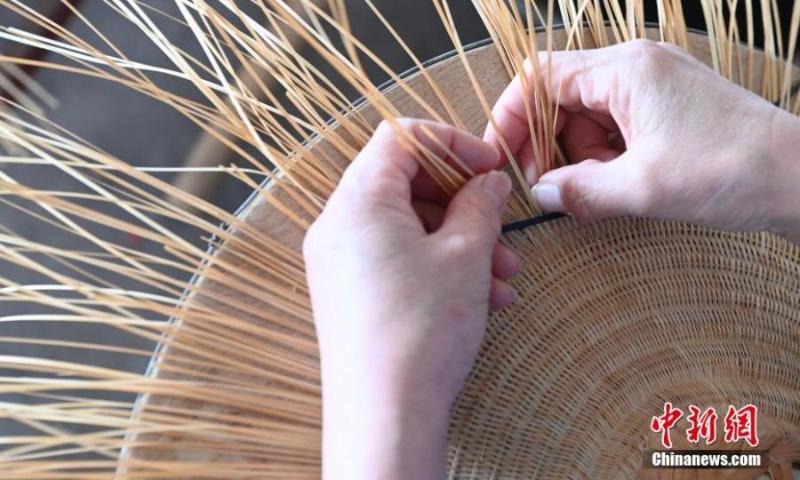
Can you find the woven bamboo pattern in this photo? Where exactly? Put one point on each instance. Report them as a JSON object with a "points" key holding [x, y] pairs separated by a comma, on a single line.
{"points": [[613, 319], [643, 313]]}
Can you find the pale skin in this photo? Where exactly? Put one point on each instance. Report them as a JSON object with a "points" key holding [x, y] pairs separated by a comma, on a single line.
{"points": [[402, 277]]}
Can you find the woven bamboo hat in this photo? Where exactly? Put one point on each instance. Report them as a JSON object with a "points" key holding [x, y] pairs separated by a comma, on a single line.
{"points": [[614, 319]]}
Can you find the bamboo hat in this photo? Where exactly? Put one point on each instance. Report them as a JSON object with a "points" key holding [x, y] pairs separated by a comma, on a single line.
{"points": [[614, 319]]}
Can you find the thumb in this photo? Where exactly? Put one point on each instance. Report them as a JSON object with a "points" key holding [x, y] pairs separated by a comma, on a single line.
{"points": [[593, 189], [474, 213]]}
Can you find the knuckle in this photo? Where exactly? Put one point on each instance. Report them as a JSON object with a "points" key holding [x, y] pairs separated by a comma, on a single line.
{"points": [[577, 198], [674, 49], [381, 187], [389, 128], [643, 200], [678, 55], [650, 56], [642, 47], [459, 244], [485, 213], [384, 126], [462, 245], [406, 123], [311, 241], [385, 131]]}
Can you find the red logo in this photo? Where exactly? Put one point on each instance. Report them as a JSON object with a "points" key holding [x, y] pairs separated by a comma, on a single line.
{"points": [[665, 422], [703, 425], [739, 424]]}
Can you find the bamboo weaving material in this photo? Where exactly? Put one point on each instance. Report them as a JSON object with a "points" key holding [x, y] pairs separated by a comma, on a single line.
{"points": [[637, 312], [613, 319]]}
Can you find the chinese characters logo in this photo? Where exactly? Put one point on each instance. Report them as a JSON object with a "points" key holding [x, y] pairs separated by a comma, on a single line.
{"points": [[739, 424]]}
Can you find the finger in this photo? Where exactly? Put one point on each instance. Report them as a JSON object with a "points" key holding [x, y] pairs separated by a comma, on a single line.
{"points": [[505, 263], [593, 189], [574, 80], [603, 119], [386, 150], [473, 216], [383, 168], [388, 165], [617, 142], [582, 79], [582, 139], [472, 156], [527, 157], [501, 295], [443, 140], [510, 120], [430, 214]]}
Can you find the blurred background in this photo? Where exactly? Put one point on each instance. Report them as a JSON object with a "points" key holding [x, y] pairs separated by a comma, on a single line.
{"points": [[147, 133]]}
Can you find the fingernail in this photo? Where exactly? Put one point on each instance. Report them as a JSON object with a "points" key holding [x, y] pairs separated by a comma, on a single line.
{"points": [[548, 196], [498, 185], [530, 173]]}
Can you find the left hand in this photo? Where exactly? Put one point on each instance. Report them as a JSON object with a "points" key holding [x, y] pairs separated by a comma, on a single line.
{"points": [[402, 279], [650, 131]]}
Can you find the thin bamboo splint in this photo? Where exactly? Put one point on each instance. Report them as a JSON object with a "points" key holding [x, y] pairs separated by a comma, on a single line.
{"points": [[614, 317]]}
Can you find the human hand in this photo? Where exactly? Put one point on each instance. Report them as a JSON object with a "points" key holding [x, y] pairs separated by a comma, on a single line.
{"points": [[651, 131], [401, 280]]}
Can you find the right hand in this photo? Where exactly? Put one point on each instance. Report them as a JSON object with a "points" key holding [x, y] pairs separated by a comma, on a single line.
{"points": [[651, 131]]}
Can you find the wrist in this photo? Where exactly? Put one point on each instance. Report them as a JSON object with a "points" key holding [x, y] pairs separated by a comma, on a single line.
{"points": [[392, 440], [379, 423], [783, 195]]}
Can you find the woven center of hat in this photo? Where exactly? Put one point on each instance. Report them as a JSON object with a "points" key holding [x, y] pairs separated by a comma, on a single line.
{"points": [[613, 319], [616, 318]]}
